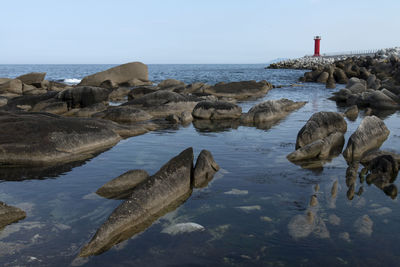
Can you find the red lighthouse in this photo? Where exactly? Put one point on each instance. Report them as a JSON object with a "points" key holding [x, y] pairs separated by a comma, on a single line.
{"points": [[317, 40]]}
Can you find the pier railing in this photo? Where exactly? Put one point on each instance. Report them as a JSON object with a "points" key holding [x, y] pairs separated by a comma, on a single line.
{"points": [[356, 53]]}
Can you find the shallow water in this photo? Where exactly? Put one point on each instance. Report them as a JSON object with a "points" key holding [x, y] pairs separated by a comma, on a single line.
{"points": [[245, 229]]}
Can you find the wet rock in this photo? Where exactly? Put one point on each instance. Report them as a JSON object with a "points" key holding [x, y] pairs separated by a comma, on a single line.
{"points": [[12, 86], [119, 74], [270, 111], [334, 189], [172, 118], [205, 169], [83, 96], [331, 83], [320, 125], [186, 117], [43, 138], [364, 225], [217, 110], [164, 190], [216, 125], [391, 191], [352, 112], [371, 133], [384, 168], [90, 110], [140, 91], [313, 201], [351, 191], [239, 90], [351, 173], [182, 228], [340, 76], [3, 101], [123, 114], [323, 77], [379, 100], [10, 214], [121, 186], [119, 94], [33, 78]]}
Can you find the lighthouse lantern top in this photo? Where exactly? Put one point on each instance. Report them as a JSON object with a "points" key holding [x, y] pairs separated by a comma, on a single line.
{"points": [[317, 37]]}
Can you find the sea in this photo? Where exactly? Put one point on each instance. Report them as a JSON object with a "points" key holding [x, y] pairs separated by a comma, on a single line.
{"points": [[249, 213]]}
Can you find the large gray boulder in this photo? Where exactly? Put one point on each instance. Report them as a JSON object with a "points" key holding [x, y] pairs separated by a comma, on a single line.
{"points": [[83, 96], [205, 169], [319, 126], [216, 110], [10, 214], [379, 100], [149, 200], [122, 185], [33, 78], [119, 74], [270, 110], [34, 139], [11, 86], [239, 90], [370, 134], [124, 114]]}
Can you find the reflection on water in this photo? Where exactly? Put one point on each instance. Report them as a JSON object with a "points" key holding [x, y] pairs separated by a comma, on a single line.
{"points": [[275, 225]]}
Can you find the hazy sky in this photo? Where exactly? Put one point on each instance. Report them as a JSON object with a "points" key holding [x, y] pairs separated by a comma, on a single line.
{"points": [[189, 31]]}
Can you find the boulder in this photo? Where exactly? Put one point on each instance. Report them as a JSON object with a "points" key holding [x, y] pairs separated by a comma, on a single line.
{"points": [[391, 95], [149, 200], [121, 186], [271, 110], [186, 117], [10, 214], [119, 94], [12, 86], [32, 78], [119, 74], [340, 76], [217, 110], [373, 82], [124, 114], [83, 96], [205, 169], [371, 133], [90, 110], [323, 77], [379, 100], [34, 139], [30, 100], [352, 112], [51, 106], [170, 83], [3, 101], [383, 171], [140, 91], [26, 88], [330, 82], [320, 125], [239, 90]]}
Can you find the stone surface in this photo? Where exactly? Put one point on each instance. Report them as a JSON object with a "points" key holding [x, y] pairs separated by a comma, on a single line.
{"points": [[12, 86], [149, 200], [370, 134], [119, 74], [43, 138], [123, 114], [83, 96], [217, 110], [239, 90], [205, 169], [122, 185], [10, 214], [32, 78]]}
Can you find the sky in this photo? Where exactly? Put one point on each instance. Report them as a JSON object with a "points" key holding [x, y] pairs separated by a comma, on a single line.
{"points": [[190, 31]]}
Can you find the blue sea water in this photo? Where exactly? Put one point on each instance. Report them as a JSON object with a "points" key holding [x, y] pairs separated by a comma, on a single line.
{"points": [[63, 212]]}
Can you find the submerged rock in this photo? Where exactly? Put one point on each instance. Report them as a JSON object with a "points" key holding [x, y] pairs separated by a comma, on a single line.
{"points": [[150, 199], [364, 225], [182, 228], [10, 214], [239, 90], [352, 112], [216, 110], [205, 169], [371, 133], [121, 186], [123, 114], [300, 226]]}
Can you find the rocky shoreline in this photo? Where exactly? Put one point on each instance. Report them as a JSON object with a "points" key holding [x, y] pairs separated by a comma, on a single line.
{"points": [[47, 124]]}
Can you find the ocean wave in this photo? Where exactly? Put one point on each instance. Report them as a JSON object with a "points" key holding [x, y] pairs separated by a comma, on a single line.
{"points": [[72, 81]]}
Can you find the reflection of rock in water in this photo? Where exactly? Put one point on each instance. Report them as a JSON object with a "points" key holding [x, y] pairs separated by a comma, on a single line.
{"points": [[10, 214], [364, 225], [215, 126]]}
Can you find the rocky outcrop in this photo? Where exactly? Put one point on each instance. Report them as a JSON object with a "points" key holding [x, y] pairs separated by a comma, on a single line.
{"points": [[41, 139], [169, 186], [216, 110], [123, 185], [205, 169], [352, 112], [10, 214], [13, 86], [123, 114], [270, 111], [118, 75], [239, 90], [33, 78], [83, 96], [319, 126], [370, 135]]}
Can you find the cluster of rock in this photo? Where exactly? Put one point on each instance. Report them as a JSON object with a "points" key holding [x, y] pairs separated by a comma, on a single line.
{"points": [[322, 138], [305, 63], [149, 197]]}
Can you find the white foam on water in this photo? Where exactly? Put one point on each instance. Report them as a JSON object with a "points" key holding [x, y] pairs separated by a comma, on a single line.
{"points": [[72, 81]]}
